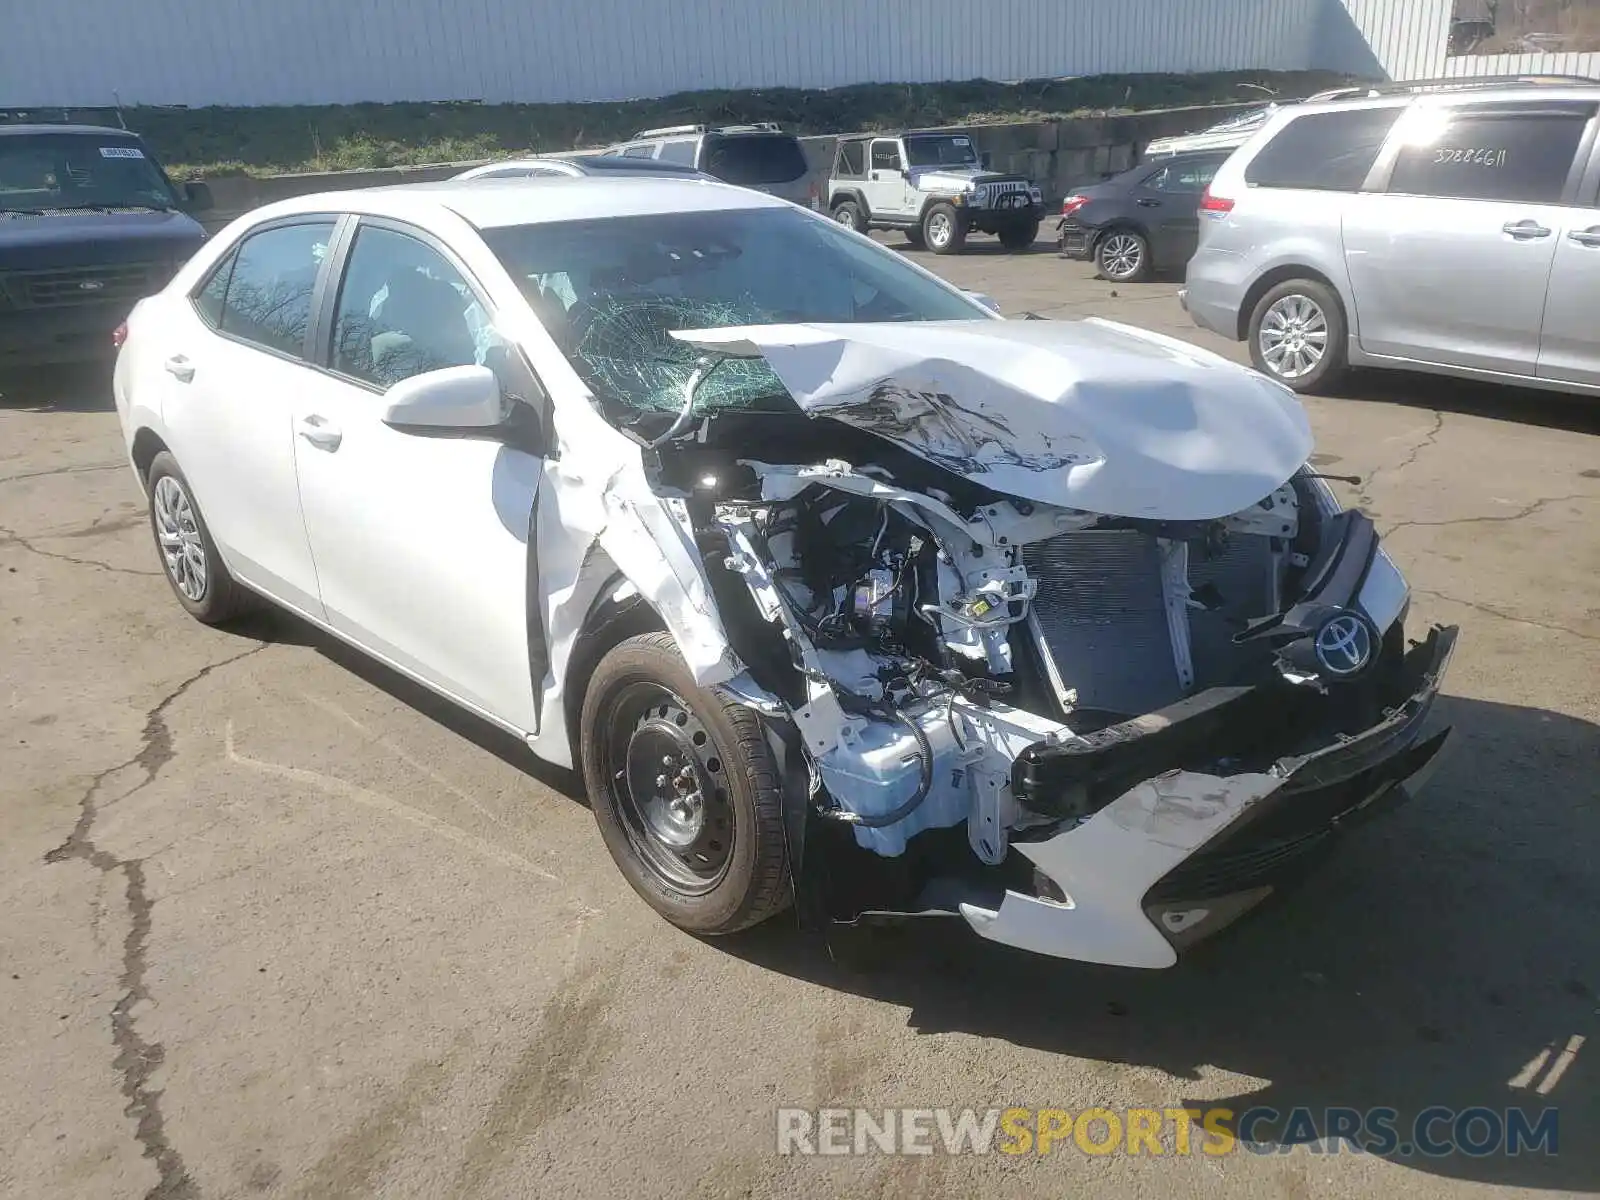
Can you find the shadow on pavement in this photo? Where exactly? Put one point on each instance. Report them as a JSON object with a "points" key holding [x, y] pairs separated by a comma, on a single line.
{"points": [[79, 388], [1432, 961], [1497, 402]]}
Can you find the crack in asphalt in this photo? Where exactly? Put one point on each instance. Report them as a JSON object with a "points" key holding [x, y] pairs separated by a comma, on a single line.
{"points": [[75, 470], [12, 536], [137, 1059], [1492, 519], [1490, 610], [1429, 438]]}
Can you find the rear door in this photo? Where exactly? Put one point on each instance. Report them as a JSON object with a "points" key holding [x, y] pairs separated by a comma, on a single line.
{"points": [[233, 364], [1169, 203], [1451, 263]]}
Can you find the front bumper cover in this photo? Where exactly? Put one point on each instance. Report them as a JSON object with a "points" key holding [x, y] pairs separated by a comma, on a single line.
{"points": [[1183, 853]]}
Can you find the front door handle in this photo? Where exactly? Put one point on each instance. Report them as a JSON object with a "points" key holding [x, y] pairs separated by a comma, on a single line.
{"points": [[1525, 230], [1586, 237], [319, 431], [180, 368]]}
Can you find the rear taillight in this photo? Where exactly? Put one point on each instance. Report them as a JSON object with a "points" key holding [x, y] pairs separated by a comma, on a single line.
{"points": [[1220, 205], [119, 335], [1072, 204]]}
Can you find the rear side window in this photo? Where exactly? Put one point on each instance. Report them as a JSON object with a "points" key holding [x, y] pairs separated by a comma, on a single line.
{"points": [[752, 159], [1327, 152], [646, 151], [1191, 175], [209, 299], [268, 298], [853, 158], [681, 151], [1484, 155]]}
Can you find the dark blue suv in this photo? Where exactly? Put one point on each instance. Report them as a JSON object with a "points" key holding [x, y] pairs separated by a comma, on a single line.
{"points": [[89, 224]]}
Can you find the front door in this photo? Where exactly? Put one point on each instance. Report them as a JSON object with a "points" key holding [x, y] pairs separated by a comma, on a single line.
{"points": [[420, 540], [886, 183], [1452, 264]]}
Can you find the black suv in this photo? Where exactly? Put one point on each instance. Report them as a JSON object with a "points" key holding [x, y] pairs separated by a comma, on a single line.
{"points": [[89, 224]]}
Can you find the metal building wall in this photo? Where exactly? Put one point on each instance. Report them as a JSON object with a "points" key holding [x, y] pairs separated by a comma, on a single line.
{"points": [[248, 52], [1409, 39]]}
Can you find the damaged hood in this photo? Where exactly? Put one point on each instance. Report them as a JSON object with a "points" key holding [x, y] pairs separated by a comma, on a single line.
{"points": [[1088, 414]]}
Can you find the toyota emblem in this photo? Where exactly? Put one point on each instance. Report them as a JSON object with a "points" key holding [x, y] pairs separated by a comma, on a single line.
{"points": [[1344, 645]]}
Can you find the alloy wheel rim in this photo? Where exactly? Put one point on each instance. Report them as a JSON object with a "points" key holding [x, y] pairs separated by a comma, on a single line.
{"points": [[845, 217], [938, 230], [1121, 256], [178, 533], [1294, 337]]}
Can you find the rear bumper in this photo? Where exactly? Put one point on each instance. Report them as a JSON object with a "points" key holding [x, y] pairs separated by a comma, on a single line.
{"points": [[1184, 853], [1212, 294], [1075, 241], [50, 336]]}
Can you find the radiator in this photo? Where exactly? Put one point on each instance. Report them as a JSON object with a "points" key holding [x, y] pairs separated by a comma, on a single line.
{"points": [[1102, 621]]}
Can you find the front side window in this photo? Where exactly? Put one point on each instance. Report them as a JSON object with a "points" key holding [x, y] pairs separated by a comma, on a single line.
{"points": [[951, 151], [610, 291], [1487, 155], [403, 310], [50, 172], [885, 156], [1327, 152], [268, 298]]}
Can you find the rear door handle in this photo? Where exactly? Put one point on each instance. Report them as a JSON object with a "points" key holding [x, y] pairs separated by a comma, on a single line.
{"points": [[1525, 230], [319, 431], [1149, 203], [180, 368], [1586, 237]]}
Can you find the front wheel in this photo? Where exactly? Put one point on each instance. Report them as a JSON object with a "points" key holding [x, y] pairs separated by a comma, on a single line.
{"points": [[1297, 335], [685, 790], [943, 229], [1016, 238]]}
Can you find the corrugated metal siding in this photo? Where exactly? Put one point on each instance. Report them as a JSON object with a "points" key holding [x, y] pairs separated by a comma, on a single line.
{"points": [[246, 52], [1409, 39]]}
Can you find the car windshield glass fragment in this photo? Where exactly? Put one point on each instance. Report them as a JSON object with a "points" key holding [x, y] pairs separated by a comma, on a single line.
{"points": [[941, 152], [610, 291], [56, 172]]}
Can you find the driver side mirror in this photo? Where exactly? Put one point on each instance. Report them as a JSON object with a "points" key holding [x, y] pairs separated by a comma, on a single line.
{"points": [[198, 196], [452, 398]]}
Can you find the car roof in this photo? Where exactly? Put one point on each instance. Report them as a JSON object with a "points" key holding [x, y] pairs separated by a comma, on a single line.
{"points": [[614, 164], [493, 203], [79, 130]]}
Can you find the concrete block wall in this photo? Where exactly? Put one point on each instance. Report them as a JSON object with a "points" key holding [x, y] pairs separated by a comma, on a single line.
{"points": [[1057, 155]]}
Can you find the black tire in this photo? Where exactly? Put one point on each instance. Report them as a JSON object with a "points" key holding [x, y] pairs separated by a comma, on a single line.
{"points": [[1122, 255], [215, 598], [848, 213], [914, 236], [943, 231], [722, 871], [1017, 238], [1324, 316]]}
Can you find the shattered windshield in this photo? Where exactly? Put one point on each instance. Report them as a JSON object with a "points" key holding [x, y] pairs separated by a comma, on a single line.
{"points": [[58, 172], [953, 151], [610, 291]]}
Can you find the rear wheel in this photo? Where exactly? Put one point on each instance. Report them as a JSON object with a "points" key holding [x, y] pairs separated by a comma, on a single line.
{"points": [[848, 213], [1297, 335], [684, 789], [1123, 256], [914, 236], [193, 567], [943, 229], [1019, 237]]}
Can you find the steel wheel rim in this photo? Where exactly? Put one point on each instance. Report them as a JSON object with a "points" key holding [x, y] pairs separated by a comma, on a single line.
{"points": [[939, 230], [1293, 337], [178, 534], [1121, 255], [671, 788]]}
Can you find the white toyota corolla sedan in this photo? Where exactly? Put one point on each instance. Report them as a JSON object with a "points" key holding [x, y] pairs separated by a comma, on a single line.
{"points": [[843, 592]]}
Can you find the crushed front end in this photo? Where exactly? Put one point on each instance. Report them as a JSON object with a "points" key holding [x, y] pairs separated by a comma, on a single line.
{"points": [[1090, 735]]}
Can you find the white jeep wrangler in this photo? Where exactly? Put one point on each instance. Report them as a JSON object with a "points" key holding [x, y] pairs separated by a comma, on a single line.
{"points": [[934, 188]]}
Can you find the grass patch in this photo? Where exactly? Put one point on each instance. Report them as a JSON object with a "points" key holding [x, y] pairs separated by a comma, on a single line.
{"points": [[196, 142]]}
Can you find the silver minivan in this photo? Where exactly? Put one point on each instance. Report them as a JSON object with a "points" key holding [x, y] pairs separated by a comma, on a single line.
{"points": [[1452, 228]]}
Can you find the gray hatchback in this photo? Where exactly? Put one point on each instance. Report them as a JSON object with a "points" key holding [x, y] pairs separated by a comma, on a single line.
{"points": [[1451, 227]]}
